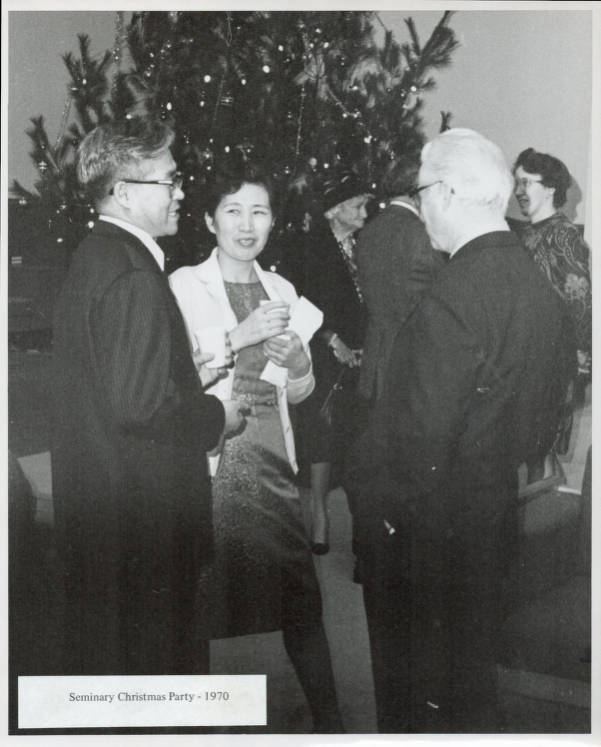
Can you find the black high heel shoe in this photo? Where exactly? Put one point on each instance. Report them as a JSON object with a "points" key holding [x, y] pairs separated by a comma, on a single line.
{"points": [[321, 548]]}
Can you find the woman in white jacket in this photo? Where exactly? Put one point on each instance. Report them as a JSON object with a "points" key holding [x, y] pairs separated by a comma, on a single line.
{"points": [[262, 578]]}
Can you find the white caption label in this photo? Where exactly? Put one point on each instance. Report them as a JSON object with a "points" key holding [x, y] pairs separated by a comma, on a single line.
{"points": [[166, 700]]}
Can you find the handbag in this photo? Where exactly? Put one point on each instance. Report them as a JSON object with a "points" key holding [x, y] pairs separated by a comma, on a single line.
{"points": [[326, 411]]}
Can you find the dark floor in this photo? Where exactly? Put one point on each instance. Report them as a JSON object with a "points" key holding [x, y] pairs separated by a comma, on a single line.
{"points": [[544, 672]]}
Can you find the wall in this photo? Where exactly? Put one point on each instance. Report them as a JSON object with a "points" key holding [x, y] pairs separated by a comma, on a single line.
{"points": [[523, 78], [38, 77]]}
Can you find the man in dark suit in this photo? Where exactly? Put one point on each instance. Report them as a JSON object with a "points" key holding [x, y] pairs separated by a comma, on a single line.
{"points": [[396, 264], [476, 380], [131, 423]]}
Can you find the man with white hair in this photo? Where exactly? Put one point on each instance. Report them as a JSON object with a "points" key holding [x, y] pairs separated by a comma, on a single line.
{"points": [[474, 386]]}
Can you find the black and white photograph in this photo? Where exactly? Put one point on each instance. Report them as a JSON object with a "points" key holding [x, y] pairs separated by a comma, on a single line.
{"points": [[299, 365]]}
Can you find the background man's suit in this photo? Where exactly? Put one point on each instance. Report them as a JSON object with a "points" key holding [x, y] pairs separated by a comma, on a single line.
{"points": [[396, 265], [130, 483]]}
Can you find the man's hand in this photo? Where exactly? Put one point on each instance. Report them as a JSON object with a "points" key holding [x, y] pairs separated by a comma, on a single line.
{"points": [[234, 423], [210, 375], [234, 417]]}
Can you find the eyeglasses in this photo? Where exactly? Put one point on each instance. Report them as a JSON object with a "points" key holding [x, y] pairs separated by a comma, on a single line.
{"points": [[414, 193], [176, 182], [525, 182]]}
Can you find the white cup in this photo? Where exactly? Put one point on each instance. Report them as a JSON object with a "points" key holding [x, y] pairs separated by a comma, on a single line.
{"points": [[212, 340], [282, 335], [271, 300]]}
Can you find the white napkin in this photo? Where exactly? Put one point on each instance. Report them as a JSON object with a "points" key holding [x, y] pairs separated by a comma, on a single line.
{"points": [[305, 320]]}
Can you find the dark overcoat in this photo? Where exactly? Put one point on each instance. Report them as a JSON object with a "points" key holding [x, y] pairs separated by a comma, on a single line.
{"points": [[130, 484], [475, 385]]}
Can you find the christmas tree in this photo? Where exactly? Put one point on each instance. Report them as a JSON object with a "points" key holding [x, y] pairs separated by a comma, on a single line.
{"points": [[308, 93]]}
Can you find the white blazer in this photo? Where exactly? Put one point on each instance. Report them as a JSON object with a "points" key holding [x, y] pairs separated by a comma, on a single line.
{"points": [[202, 298]]}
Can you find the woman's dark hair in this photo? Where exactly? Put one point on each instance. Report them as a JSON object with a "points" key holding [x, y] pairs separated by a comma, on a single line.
{"points": [[552, 171], [229, 179]]}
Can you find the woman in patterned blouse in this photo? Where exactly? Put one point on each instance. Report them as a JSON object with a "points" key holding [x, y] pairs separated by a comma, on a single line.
{"points": [[555, 243]]}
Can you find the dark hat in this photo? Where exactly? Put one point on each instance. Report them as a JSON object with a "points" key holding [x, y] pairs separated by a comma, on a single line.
{"points": [[338, 190]]}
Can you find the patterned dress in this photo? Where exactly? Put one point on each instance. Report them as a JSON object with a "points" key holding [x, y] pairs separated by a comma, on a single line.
{"points": [[262, 578], [557, 247]]}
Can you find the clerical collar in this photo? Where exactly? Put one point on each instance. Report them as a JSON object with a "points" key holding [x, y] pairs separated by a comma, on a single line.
{"points": [[408, 205]]}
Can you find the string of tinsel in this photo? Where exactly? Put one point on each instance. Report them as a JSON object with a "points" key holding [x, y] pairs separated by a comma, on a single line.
{"points": [[64, 119], [228, 43], [300, 123], [118, 45]]}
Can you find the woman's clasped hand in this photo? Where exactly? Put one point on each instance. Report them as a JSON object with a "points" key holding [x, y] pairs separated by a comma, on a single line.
{"points": [[287, 350]]}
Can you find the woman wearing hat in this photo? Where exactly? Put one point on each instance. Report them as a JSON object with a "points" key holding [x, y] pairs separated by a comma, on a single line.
{"points": [[331, 284]]}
